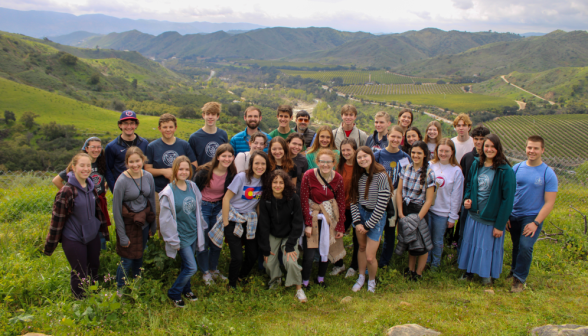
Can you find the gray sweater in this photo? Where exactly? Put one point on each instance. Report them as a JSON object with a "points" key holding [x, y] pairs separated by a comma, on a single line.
{"points": [[127, 191]]}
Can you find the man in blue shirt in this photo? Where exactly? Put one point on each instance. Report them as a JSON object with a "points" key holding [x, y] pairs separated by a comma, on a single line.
{"points": [[534, 199], [240, 141], [206, 140], [116, 150]]}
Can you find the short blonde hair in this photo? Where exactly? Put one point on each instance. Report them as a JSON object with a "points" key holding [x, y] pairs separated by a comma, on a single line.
{"points": [[212, 108], [75, 159], [176, 167], [348, 108], [462, 117], [382, 114]]}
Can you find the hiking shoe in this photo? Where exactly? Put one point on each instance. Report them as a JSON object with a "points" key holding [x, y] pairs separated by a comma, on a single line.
{"points": [[275, 284], [372, 286], [179, 303], [409, 274], [301, 296], [216, 275], [416, 277], [350, 273], [337, 269], [510, 275], [190, 296], [466, 277], [486, 281], [208, 279], [517, 285], [359, 283]]}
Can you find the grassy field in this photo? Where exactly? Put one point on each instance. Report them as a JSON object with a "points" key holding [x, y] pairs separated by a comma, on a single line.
{"points": [[278, 64], [35, 295], [87, 118], [360, 77], [455, 102], [514, 130], [401, 89]]}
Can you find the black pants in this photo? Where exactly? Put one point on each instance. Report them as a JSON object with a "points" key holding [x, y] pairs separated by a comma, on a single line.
{"points": [[308, 259], [388, 246], [239, 268], [84, 261], [348, 221]]}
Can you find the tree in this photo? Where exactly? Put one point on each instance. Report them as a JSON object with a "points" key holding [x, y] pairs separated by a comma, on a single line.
{"points": [[68, 59], [54, 131], [235, 109], [134, 83], [94, 79], [441, 82], [28, 119], [187, 112], [8, 116], [337, 81], [117, 105]]}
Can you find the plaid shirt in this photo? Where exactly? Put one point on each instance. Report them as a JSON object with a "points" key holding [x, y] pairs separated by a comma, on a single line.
{"points": [[217, 233], [62, 208], [412, 190]]}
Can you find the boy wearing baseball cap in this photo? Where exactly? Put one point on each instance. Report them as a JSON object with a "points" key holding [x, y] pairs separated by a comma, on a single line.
{"points": [[116, 150]]}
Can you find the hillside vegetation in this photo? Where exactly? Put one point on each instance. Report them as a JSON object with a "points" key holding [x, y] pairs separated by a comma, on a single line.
{"points": [[359, 77]]}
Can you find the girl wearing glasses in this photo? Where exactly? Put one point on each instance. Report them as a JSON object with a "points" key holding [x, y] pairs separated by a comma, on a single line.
{"points": [[323, 208], [324, 140], [93, 147]]}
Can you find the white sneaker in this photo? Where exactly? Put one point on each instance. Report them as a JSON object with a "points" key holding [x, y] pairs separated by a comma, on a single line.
{"points": [[208, 279], [216, 275], [350, 273], [300, 295], [372, 286], [336, 270], [359, 283], [276, 284]]}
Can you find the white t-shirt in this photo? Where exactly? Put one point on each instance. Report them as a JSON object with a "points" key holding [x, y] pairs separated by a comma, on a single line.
{"points": [[449, 181], [242, 161], [432, 147], [247, 193], [462, 148]]}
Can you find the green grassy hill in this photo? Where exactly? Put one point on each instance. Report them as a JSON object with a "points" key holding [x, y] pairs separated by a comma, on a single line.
{"points": [[456, 102], [532, 54]]}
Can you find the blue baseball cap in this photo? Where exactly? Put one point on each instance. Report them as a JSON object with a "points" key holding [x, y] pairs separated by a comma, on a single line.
{"points": [[127, 115]]}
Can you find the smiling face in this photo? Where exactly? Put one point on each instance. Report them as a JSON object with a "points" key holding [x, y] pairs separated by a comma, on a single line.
{"points": [[417, 154], [284, 119], [167, 129], [94, 149], [381, 125], [432, 132], [128, 127], [326, 163], [478, 142], [534, 150], [302, 123], [135, 163], [252, 119], [225, 159], [364, 160], [324, 139], [462, 128], [347, 151], [394, 138], [82, 169], [259, 166], [489, 149], [296, 146], [278, 185], [411, 137], [257, 144], [444, 152], [277, 151], [210, 118], [348, 118], [183, 171], [405, 120]]}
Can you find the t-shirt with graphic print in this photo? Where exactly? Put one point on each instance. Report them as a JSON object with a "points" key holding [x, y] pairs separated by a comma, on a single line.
{"points": [[393, 162], [97, 178], [532, 184], [485, 180], [204, 145], [185, 204], [162, 155], [247, 193]]}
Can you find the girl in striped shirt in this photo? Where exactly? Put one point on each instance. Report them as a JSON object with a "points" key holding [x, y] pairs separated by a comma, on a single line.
{"points": [[368, 208]]}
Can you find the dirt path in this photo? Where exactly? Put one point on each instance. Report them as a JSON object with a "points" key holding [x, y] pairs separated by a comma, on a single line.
{"points": [[522, 104], [531, 93], [308, 107], [212, 72]]}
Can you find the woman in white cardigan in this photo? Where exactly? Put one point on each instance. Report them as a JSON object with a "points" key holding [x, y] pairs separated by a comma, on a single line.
{"points": [[182, 226]]}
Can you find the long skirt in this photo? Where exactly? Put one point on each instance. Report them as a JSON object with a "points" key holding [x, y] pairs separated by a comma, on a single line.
{"points": [[480, 252]]}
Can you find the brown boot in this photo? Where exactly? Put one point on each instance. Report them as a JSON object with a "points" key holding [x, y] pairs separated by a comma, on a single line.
{"points": [[517, 285]]}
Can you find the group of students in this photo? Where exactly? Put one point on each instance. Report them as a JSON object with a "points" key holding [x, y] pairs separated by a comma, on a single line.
{"points": [[272, 196]]}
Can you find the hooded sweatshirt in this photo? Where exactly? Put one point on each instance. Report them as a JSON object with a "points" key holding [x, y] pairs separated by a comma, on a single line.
{"points": [[82, 225]]}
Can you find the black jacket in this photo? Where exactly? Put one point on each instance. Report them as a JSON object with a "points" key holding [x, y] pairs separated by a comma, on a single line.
{"points": [[281, 218], [200, 179], [466, 164]]}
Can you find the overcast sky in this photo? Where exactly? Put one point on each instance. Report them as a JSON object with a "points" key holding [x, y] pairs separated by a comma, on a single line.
{"points": [[519, 16]]}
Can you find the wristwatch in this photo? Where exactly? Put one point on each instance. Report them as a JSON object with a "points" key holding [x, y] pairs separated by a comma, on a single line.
{"points": [[536, 222]]}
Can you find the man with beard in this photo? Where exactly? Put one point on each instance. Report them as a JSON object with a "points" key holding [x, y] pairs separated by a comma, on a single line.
{"points": [[302, 122], [240, 141]]}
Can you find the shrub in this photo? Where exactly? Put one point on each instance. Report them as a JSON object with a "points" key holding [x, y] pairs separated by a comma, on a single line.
{"points": [[68, 59]]}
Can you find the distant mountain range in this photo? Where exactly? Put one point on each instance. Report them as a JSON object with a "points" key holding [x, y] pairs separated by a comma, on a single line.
{"points": [[47, 24]]}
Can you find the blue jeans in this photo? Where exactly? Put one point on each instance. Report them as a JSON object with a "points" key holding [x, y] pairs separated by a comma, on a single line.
{"points": [[102, 241], [208, 259], [437, 227], [522, 247], [388, 246], [187, 269], [126, 265], [375, 233]]}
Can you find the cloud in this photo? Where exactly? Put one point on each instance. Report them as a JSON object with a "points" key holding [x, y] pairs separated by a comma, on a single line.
{"points": [[463, 4]]}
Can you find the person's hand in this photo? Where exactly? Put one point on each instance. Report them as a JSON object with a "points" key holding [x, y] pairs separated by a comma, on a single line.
{"points": [[168, 174], [292, 255], [308, 231], [467, 204], [530, 229], [129, 244], [178, 249], [339, 235], [450, 225], [508, 225], [225, 224], [400, 215], [359, 228], [266, 257], [497, 233]]}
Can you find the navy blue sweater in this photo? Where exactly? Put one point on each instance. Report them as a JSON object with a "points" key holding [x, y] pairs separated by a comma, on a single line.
{"points": [[115, 153]]}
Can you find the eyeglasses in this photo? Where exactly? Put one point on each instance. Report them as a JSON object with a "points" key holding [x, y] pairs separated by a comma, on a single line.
{"points": [[303, 119], [94, 147], [325, 162]]}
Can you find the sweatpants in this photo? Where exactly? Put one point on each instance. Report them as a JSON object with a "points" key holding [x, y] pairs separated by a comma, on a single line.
{"points": [[240, 267], [272, 267], [85, 261]]}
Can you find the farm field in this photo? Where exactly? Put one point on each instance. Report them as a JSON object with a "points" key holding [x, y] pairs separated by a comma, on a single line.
{"points": [[359, 77], [278, 64], [456, 102], [19, 98], [565, 135], [392, 89]]}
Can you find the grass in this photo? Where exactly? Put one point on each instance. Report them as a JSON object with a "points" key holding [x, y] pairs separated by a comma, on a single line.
{"points": [[35, 295], [455, 102], [87, 118]]}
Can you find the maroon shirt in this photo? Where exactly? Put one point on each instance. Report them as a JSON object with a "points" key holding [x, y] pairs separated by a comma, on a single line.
{"points": [[312, 189]]}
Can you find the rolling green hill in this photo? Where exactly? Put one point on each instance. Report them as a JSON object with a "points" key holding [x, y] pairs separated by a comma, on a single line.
{"points": [[532, 54]]}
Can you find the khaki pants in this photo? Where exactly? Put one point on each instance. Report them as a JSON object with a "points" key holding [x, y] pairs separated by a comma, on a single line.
{"points": [[272, 267]]}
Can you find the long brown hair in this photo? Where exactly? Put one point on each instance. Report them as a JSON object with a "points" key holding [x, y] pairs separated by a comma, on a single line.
{"points": [[437, 125], [446, 142], [209, 166], [342, 160], [406, 147], [176, 167], [289, 187], [424, 169], [403, 111], [500, 158], [316, 145], [287, 163], [249, 171], [375, 168]]}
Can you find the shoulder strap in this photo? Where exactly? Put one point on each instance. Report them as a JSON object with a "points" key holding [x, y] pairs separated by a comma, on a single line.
{"points": [[327, 184]]}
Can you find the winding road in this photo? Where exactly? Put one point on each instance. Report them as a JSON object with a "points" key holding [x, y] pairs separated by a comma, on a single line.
{"points": [[531, 93]]}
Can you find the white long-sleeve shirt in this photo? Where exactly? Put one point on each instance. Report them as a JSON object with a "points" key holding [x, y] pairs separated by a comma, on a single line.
{"points": [[449, 180]]}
